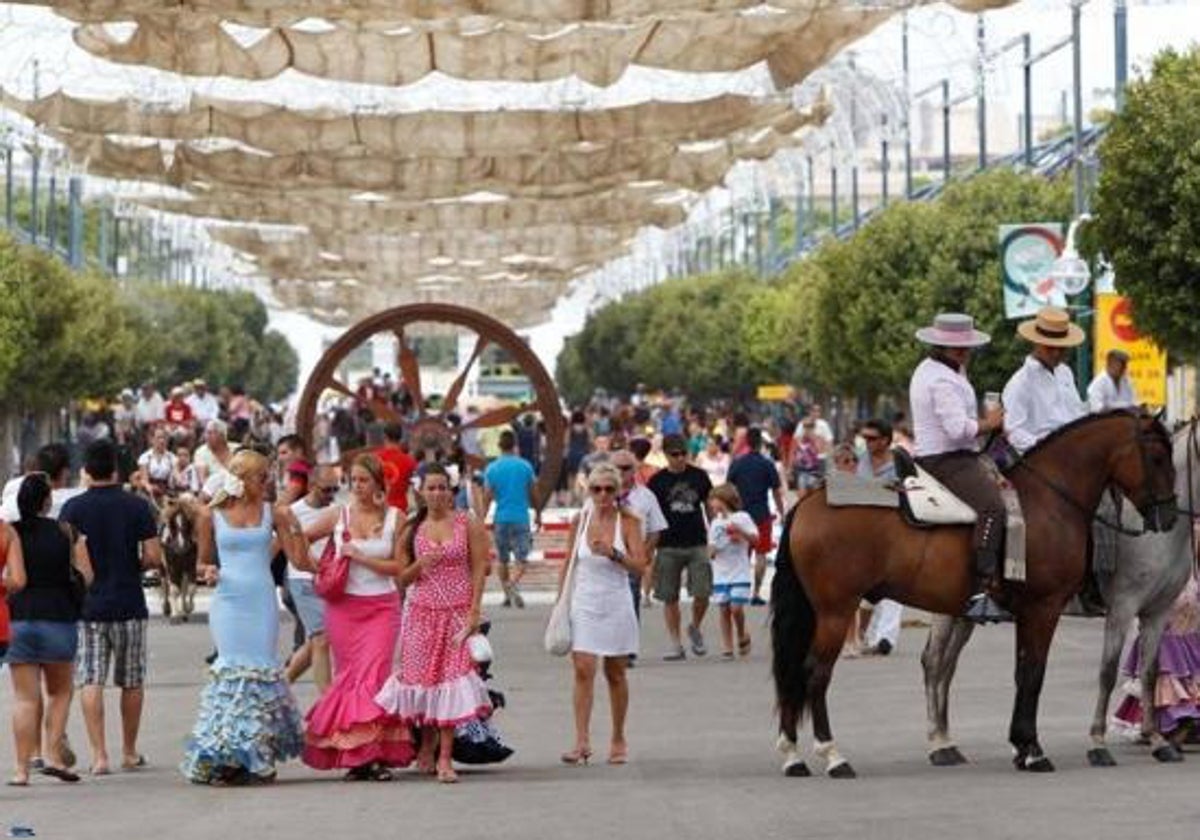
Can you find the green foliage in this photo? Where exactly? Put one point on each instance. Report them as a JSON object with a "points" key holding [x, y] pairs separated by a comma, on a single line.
{"points": [[1148, 200], [65, 335], [839, 321]]}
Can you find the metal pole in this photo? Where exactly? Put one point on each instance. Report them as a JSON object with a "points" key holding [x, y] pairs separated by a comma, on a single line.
{"points": [[981, 35], [33, 197], [833, 197], [1027, 76], [8, 187], [885, 164], [105, 234], [52, 212], [1077, 84], [75, 221], [945, 130], [812, 187], [798, 233], [908, 176], [1121, 43], [773, 232]]}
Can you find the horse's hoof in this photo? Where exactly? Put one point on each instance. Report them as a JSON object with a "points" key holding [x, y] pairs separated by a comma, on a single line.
{"points": [[1168, 754], [842, 771], [797, 770], [947, 757], [1101, 757]]}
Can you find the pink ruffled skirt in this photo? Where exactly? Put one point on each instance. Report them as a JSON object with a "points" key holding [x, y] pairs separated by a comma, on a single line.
{"points": [[438, 684], [346, 728]]}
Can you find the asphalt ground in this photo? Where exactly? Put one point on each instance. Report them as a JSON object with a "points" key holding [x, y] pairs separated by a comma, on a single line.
{"points": [[702, 764]]}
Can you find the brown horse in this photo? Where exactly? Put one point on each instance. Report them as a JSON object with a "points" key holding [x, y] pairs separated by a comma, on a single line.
{"points": [[833, 557]]}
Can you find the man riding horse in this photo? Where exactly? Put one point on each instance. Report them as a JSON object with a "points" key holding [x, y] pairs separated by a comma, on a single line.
{"points": [[1041, 396], [946, 424]]}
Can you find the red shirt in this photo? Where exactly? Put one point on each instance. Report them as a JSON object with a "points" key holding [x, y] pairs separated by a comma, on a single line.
{"points": [[398, 469], [178, 413]]}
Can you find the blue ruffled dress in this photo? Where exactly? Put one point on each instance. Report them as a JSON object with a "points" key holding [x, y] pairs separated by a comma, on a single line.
{"points": [[248, 719]]}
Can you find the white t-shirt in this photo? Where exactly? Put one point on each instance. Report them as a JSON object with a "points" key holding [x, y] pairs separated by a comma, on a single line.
{"points": [[364, 581], [306, 515], [731, 560], [157, 467], [204, 408], [644, 504], [149, 410]]}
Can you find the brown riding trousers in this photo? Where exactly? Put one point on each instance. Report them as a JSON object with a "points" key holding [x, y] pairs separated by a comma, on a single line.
{"points": [[967, 475]]}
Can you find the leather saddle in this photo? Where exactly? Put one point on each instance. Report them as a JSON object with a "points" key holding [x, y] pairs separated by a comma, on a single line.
{"points": [[922, 500]]}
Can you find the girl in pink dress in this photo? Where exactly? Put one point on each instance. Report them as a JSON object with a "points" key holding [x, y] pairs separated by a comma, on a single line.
{"points": [[444, 563]]}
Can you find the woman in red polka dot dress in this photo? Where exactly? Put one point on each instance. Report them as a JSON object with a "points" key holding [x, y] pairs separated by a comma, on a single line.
{"points": [[444, 564]]}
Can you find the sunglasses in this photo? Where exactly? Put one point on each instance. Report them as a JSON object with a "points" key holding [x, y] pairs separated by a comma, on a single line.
{"points": [[603, 488], [676, 454], [627, 468], [332, 489]]}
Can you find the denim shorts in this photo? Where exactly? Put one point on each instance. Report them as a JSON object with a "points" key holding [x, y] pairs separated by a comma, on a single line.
{"points": [[38, 642], [513, 541], [309, 605]]}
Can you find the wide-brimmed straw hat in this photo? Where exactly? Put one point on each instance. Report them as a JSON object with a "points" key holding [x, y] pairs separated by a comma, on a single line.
{"points": [[953, 329], [1051, 327]]}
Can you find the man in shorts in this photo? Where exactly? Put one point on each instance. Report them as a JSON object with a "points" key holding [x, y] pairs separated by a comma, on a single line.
{"points": [[122, 538], [681, 489], [756, 479], [322, 488], [510, 481]]}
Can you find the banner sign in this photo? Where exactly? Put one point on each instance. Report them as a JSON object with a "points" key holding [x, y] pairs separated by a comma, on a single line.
{"points": [[776, 393], [1147, 364], [1027, 253]]}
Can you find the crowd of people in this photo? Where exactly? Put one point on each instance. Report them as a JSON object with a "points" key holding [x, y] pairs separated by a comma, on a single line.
{"points": [[389, 555]]}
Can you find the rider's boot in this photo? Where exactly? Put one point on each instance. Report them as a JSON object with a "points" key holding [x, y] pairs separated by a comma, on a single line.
{"points": [[981, 607]]}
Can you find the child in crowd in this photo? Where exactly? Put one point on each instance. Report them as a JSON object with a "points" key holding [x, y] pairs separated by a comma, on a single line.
{"points": [[731, 535], [184, 479]]}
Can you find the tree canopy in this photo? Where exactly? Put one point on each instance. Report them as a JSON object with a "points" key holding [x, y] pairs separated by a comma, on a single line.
{"points": [[65, 335], [840, 321], [1148, 200]]}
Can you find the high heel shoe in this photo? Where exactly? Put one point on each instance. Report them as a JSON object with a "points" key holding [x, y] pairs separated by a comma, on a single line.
{"points": [[577, 756], [618, 754]]}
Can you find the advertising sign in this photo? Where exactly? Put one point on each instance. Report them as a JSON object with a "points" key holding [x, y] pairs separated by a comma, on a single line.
{"points": [[1027, 253]]}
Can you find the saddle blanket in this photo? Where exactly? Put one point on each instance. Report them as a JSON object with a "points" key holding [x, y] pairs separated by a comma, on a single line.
{"points": [[930, 503]]}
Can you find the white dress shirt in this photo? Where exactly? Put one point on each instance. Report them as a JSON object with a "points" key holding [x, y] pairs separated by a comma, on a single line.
{"points": [[945, 416], [1104, 394], [204, 408], [1037, 401]]}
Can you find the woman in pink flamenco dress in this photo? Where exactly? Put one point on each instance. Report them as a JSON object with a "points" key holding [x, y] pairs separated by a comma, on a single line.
{"points": [[444, 563], [346, 728]]}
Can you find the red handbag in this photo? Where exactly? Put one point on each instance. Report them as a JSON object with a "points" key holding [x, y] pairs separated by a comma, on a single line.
{"points": [[333, 572]]}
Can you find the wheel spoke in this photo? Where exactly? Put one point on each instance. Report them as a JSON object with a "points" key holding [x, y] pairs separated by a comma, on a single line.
{"points": [[496, 417], [410, 372], [451, 400], [341, 387]]}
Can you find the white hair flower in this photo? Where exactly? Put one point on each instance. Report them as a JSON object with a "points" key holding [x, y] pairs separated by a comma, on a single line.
{"points": [[234, 487]]}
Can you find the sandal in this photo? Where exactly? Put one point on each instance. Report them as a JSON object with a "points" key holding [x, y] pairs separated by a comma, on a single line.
{"points": [[744, 646], [577, 756], [618, 754], [446, 775], [60, 773], [137, 762]]}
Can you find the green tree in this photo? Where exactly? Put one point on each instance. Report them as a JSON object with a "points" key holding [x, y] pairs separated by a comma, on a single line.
{"points": [[1148, 200]]}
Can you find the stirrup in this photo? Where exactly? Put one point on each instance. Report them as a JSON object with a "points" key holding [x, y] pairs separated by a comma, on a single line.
{"points": [[983, 610]]}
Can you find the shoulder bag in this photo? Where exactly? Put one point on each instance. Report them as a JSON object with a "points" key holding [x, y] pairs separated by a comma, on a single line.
{"points": [[557, 639], [333, 572]]}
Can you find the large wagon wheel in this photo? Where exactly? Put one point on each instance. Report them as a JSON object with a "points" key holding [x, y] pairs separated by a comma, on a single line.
{"points": [[431, 430]]}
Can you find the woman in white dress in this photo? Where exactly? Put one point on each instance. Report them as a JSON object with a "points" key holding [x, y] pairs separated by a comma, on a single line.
{"points": [[606, 545]]}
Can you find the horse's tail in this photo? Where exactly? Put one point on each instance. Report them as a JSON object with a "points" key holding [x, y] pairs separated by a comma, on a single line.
{"points": [[793, 625]]}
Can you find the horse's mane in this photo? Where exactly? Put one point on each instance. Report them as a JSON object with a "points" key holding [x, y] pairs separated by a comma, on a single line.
{"points": [[1085, 420]]}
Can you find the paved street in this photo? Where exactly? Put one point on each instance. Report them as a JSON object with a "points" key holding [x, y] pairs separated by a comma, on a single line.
{"points": [[703, 764]]}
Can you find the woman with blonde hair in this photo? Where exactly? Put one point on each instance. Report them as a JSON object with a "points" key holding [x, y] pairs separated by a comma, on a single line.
{"points": [[347, 729], [605, 545], [248, 718]]}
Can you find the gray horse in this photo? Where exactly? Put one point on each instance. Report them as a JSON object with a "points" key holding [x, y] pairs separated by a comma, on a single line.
{"points": [[1152, 570]]}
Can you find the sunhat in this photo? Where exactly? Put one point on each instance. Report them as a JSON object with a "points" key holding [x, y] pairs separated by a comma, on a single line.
{"points": [[953, 329], [1052, 327]]}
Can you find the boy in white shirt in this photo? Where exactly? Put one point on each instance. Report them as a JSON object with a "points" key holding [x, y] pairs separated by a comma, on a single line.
{"points": [[731, 536]]}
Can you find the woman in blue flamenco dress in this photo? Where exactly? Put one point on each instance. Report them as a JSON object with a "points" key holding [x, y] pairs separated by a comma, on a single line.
{"points": [[248, 719]]}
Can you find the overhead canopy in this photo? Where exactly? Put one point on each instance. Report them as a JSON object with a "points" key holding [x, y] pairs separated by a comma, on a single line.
{"points": [[390, 200]]}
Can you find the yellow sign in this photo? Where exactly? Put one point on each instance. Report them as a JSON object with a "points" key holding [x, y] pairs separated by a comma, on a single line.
{"points": [[776, 393], [1147, 364]]}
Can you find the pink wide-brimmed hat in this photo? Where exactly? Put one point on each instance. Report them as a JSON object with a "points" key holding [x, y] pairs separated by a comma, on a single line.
{"points": [[953, 329]]}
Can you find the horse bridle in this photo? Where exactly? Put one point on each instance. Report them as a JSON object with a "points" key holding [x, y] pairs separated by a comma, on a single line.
{"points": [[1155, 503]]}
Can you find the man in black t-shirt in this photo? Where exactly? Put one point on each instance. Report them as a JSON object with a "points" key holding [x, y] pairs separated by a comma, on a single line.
{"points": [[122, 539], [756, 479], [681, 490]]}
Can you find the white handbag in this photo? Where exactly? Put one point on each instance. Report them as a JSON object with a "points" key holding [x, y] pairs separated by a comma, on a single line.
{"points": [[557, 640]]}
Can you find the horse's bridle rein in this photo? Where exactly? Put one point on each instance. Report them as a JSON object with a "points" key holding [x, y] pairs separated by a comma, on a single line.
{"points": [[1155, 503]]}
